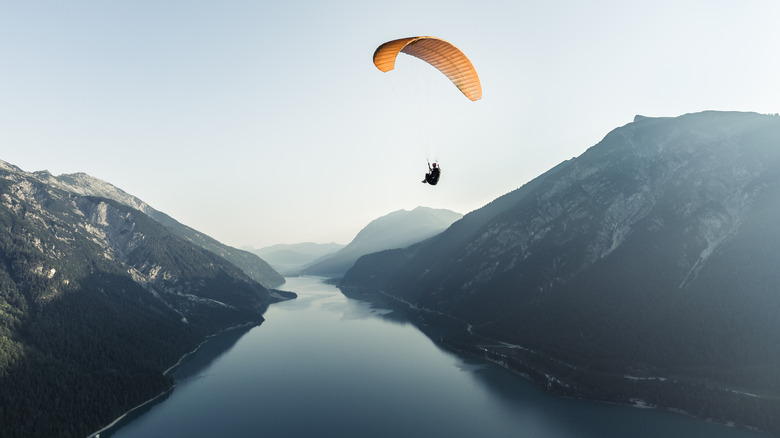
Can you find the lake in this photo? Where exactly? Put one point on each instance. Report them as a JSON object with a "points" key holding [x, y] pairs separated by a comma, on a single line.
{"points": [[324, 365]]}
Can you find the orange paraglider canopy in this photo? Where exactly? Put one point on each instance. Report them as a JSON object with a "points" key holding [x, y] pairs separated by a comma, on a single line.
{"points": [[447, 58]]}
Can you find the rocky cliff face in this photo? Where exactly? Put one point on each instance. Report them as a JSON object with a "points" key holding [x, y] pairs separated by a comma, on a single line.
{"points": [[86, 185], [652, 254]]}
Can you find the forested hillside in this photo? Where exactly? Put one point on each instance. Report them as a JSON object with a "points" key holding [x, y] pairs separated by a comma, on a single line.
{"points": [[96, 301]]}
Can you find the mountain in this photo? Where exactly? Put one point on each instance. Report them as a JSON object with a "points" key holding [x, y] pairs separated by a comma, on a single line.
{"points": [[86, 185], [395, 230], [642, 272], [97, 299], [290, 257]]}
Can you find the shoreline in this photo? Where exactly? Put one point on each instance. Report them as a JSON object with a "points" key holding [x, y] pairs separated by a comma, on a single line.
{"points": [[281, 297], [636, 403], [121, 417], [438, 327], [569, 389], [250, 324]]}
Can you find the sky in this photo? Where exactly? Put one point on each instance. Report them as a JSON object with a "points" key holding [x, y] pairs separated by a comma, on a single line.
{"points": [[260, 122]]}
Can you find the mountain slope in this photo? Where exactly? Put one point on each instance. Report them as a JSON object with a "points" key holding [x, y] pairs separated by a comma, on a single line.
{"points": [[643, 269], [86, 185], [395, 230], [96, 301]]}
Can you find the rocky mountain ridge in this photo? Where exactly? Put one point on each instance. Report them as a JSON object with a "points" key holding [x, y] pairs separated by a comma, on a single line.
{"points": [[86, 185], [636, 271]]}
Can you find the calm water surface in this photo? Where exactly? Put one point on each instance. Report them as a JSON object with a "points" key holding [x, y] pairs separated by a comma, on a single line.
{"points": [[328, 366]]}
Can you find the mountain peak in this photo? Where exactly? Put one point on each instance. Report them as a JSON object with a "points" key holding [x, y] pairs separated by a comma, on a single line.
{"points": [[397, 229]]}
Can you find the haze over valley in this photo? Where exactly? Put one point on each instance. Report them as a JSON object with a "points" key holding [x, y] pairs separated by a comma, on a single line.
{"points": [[642, 272], [508, 219]]}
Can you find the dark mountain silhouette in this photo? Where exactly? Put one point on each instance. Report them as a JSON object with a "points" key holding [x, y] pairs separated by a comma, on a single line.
{"points": [[396, 230], [643, 271], [97, 299]]}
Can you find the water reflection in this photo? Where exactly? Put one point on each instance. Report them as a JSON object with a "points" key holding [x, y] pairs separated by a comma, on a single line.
{"points": [[326, 365], [542, 413], [208, 353], [191, 367]]}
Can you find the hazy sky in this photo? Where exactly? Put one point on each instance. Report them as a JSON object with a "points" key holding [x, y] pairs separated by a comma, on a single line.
{"points": [[261, 122]]}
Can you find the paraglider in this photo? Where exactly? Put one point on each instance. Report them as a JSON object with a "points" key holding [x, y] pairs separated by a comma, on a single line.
{"points": [[432, 177], [447, 58], [442, 55]]}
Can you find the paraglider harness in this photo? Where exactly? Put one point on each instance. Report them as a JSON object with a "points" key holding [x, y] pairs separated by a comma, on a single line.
{"points": [[432, 177]]}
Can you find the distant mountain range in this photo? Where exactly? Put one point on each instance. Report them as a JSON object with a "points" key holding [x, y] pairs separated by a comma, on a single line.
{"points": [[398, 229], [97, 299], [644, 271], [291, 257]]}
